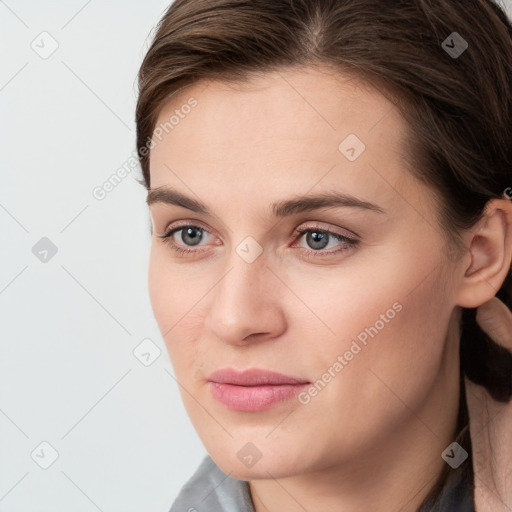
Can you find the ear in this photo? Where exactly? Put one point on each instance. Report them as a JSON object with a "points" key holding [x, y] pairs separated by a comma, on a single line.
{"points": [[490, 246]]}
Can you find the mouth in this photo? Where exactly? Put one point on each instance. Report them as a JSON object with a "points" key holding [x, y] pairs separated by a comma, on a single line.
{"points": [[254, 389]]}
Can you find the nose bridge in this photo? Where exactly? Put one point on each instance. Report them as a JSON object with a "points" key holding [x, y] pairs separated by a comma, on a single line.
{"points": [[243, 303], [247, 273]]}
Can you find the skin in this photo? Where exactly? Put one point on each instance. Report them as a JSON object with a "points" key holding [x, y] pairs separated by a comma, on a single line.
{"points": [[372, 438], [490, 422]]}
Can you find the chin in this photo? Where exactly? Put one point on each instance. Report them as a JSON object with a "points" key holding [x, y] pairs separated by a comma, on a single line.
{"points": [[261, 469]]}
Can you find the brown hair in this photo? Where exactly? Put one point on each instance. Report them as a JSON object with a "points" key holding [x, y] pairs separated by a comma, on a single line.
{"points": [[458, 108]]}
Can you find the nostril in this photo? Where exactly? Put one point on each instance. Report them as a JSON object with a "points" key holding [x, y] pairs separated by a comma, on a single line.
{"points": [[255, 335]]}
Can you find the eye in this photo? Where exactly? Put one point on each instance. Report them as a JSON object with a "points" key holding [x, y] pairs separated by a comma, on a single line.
{"points": [[190, 236], [318, 239]]}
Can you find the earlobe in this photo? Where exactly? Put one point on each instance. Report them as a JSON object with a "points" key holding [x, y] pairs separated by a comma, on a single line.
{"points": [[490, 246]]}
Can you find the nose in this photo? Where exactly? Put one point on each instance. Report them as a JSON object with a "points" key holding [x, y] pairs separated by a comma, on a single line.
{"points": [[245, 304]]}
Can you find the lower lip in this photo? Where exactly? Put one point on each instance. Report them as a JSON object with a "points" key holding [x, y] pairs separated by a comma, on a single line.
{"points": [[254, 398]]}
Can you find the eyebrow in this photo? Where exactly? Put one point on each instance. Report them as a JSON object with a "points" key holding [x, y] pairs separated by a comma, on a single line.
{"points": [[282, 208]]}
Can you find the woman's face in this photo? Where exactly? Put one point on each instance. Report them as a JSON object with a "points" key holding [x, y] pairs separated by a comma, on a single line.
{"points": [[366, 323]]}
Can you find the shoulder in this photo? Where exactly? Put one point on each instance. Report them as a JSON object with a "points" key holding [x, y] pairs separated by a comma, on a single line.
{"points": [[210, 490]]}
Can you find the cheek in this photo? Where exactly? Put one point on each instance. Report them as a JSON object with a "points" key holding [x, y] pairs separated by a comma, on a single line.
{"points": [[177, 307], [416, 341], [393, 322], [391, 364], [166, 295], [158, 287], [402, 351], [169, 287]]}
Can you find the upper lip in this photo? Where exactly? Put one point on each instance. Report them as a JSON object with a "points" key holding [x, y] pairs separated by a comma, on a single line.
{"points": [[253, 377]]}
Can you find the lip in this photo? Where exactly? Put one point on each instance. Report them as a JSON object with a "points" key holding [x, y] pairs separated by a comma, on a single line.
{"points": [[253, 377], [254, 389]]}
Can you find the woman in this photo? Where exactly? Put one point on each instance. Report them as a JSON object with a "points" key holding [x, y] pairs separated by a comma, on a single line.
{"points": [[327, 185]]}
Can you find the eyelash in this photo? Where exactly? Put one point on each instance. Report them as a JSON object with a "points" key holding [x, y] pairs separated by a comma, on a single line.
{"points": [[349, 242]]}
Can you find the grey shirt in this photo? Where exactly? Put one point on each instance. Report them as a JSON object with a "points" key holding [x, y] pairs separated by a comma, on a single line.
{"points": [[211, 490]]}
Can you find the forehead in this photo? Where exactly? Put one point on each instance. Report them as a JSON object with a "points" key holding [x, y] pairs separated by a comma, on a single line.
{"points": [[299, 102], [280, 132]]}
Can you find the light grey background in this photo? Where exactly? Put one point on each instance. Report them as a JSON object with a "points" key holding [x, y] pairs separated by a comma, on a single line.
{"points": [[68, 375], [70, 323]]}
